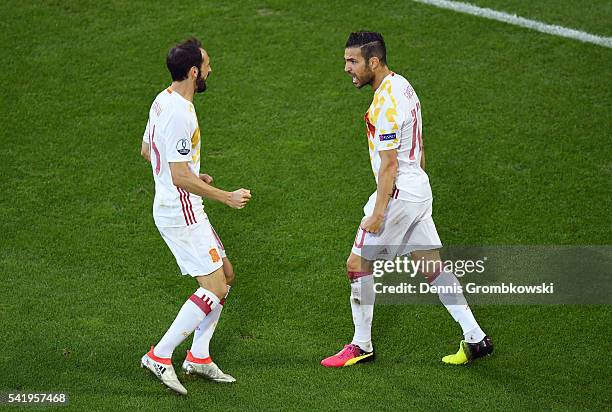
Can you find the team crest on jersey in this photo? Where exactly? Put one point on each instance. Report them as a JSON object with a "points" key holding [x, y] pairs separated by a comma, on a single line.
{"points": [[388, 136], [214, 255], [183, 146]]}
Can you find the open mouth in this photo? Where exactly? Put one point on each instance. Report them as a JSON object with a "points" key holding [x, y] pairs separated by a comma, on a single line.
{"points": [[355, 81]]}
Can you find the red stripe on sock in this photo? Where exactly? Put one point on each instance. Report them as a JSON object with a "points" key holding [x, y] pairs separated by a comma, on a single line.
{"points": [[165, 361], [191, 358], [204, 306], [356, 275]]}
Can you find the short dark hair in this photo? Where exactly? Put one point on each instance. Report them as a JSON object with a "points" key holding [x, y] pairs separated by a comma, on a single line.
{"points": [[371, 44], [182, 57]]}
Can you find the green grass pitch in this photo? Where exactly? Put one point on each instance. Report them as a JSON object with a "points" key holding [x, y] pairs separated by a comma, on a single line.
{"points": [[517, 126]]}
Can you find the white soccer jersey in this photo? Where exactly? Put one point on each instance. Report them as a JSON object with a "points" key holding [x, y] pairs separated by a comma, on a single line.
{"points": [[173, 135], [393, 121]]}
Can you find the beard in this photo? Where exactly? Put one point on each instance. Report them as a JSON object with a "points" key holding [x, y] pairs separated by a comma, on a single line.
{"points": [[367, 78], [200, 84]]}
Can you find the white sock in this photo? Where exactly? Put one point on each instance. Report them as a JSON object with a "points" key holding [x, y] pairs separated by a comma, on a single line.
{"points": [[457, 306], [193, 312], [362, 306], [204, 331]]}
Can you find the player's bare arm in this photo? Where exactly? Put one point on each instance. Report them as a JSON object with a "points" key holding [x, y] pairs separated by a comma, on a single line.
{"points": [[386, 180], [184, 178], [145, 151], [423, 158]]}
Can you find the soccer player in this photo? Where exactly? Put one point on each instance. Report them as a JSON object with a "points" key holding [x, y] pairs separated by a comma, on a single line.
{"points": [[398, 214], [172, 145]]}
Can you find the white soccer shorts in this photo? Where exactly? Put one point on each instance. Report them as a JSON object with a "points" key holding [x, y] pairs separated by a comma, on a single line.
{"points": [[197, 248], [408, 226]]}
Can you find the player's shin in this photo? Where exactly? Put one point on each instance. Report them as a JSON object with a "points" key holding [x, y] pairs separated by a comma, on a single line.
{"points": [[194, 311], [203, 333], [454, 301], [362, 308]]}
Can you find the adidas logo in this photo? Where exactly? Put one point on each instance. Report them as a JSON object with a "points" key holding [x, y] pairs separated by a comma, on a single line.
{"points": [[159, 370]]}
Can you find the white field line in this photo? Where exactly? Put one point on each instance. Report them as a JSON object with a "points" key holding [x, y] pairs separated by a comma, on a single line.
{"points": [[519, 21]]}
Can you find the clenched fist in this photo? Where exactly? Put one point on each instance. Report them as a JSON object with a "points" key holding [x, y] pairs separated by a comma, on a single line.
{"points": [[239, 198]]}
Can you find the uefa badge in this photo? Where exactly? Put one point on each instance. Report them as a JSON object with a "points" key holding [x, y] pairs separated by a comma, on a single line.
{"points": [[182, 146]]}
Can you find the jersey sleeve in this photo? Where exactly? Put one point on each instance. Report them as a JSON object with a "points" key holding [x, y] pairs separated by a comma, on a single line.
{"points": [[178, 143], [388, 124]]}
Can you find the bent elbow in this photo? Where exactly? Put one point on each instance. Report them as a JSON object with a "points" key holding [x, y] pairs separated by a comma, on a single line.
{"points": [[177, 178], [391, 169]]}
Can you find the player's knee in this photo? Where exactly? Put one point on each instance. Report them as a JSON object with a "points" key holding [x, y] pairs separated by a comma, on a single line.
{"points": [[431, 272], [214, 283], [229, 277], [228, 270], [357, 266], [429, 263], [219, 289], [353, 264]]}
